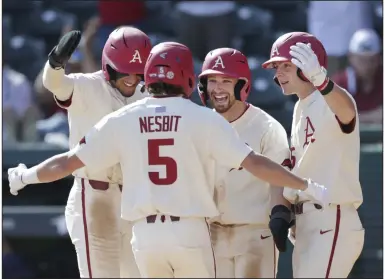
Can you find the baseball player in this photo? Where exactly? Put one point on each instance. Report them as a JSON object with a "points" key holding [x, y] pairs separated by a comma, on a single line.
{"points": [[241, 237], [325, 145], [168, 148], [93, 208]]}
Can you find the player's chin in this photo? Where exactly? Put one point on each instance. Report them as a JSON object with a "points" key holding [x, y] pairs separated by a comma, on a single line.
{"points": [[286, 90], [287, 93], [127, 91], [221, 108]]}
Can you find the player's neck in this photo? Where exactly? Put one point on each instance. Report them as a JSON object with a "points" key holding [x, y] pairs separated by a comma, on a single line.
{"points": [[235, 111], [305, 91]]}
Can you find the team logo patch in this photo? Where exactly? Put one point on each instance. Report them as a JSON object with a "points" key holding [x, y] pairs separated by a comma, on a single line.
{"points": [[170, 75], [161, 73]]}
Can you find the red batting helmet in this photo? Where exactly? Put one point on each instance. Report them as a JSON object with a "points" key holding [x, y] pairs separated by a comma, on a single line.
{"points": [[228, 62], [126, 51], [171, 63], [281, 48]]}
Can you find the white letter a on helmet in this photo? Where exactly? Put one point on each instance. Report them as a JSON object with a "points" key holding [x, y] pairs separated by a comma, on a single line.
{"points": [[136, 56], [274, 51], [219, 62]]}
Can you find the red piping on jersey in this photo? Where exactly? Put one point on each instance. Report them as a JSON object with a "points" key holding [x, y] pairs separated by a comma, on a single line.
{"points": [[274, 270], [64, 104], [336, 231], [85, 228], [247, 107], [212, 249]]}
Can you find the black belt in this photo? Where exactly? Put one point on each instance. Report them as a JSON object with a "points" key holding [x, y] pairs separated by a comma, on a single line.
{"points": [[298, 207], [152, 218]]}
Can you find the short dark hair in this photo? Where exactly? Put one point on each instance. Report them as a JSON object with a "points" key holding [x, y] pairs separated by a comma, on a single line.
{"points": [[162, 88]]}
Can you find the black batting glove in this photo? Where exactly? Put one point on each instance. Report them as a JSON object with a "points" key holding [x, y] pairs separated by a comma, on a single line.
{"points": [[61, 53], [281, 219]]}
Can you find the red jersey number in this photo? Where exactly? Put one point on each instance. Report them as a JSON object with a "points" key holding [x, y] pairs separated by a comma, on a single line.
{"points": [[292, 157], [154, 159]]}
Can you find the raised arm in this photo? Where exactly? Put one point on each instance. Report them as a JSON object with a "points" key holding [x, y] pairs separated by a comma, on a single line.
{"points": [[54, 78]]}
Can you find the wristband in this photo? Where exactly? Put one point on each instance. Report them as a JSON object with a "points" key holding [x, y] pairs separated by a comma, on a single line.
{"points": [[30, 177], [326, 87]]}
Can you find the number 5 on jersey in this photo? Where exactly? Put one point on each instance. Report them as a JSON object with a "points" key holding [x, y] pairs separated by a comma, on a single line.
{"points": [[154, 159]]}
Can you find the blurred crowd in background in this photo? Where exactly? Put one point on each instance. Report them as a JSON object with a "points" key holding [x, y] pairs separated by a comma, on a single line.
{"points": [[351, 32]]}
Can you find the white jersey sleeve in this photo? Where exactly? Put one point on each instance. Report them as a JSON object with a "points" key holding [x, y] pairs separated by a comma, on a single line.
{"points": [[226, 147], [74, 91], [98, 150], [275, 146]]}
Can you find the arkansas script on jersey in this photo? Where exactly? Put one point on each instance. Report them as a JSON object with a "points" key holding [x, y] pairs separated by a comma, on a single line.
{"points": [[320, 150], [241, 197], [168, 149], [91, 100]]}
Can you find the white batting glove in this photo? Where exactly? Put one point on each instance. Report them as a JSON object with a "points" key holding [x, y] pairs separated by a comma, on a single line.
{"points": [[317, 193], [15, 179], [306, 60]]}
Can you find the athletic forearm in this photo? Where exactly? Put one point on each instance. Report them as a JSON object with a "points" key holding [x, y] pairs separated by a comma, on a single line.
{"points": [[271, 172], [52, 169], [341, 104], [57, 82]]}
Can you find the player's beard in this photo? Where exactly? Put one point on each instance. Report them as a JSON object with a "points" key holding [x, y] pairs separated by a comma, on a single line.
{"points": [[222, 108]]}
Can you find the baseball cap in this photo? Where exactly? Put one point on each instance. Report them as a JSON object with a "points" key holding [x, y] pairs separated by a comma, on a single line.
{"points": [[365, 41]]}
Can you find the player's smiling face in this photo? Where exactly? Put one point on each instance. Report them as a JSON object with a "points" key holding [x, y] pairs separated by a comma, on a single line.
{"points": [[286, 73], [221, 92], [127, 84]]}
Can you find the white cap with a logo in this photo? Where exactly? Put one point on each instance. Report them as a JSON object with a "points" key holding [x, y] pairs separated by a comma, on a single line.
{"points": [[366, 42]]}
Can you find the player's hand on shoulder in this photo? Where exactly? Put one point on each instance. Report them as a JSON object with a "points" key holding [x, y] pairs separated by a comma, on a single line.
{"points": [[15, 179], [61, 53], [317, 192], [281, 219]]}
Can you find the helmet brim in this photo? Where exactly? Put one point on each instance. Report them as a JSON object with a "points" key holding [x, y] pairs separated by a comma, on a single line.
{"points": [[216, 72], [268, 63]]}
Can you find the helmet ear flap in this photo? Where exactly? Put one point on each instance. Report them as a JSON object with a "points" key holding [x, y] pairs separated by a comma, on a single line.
{"points": [[301, 75], [111, 72], [202, 88], [238, 88]]}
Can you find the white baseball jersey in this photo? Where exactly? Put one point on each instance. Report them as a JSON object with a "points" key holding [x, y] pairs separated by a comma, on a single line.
{"points": [[241, 197], [322, 152], [92, 99], [168, 149]]}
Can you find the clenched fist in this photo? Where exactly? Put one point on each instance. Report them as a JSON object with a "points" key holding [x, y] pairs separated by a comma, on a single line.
{"points": [[15, 179]]}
